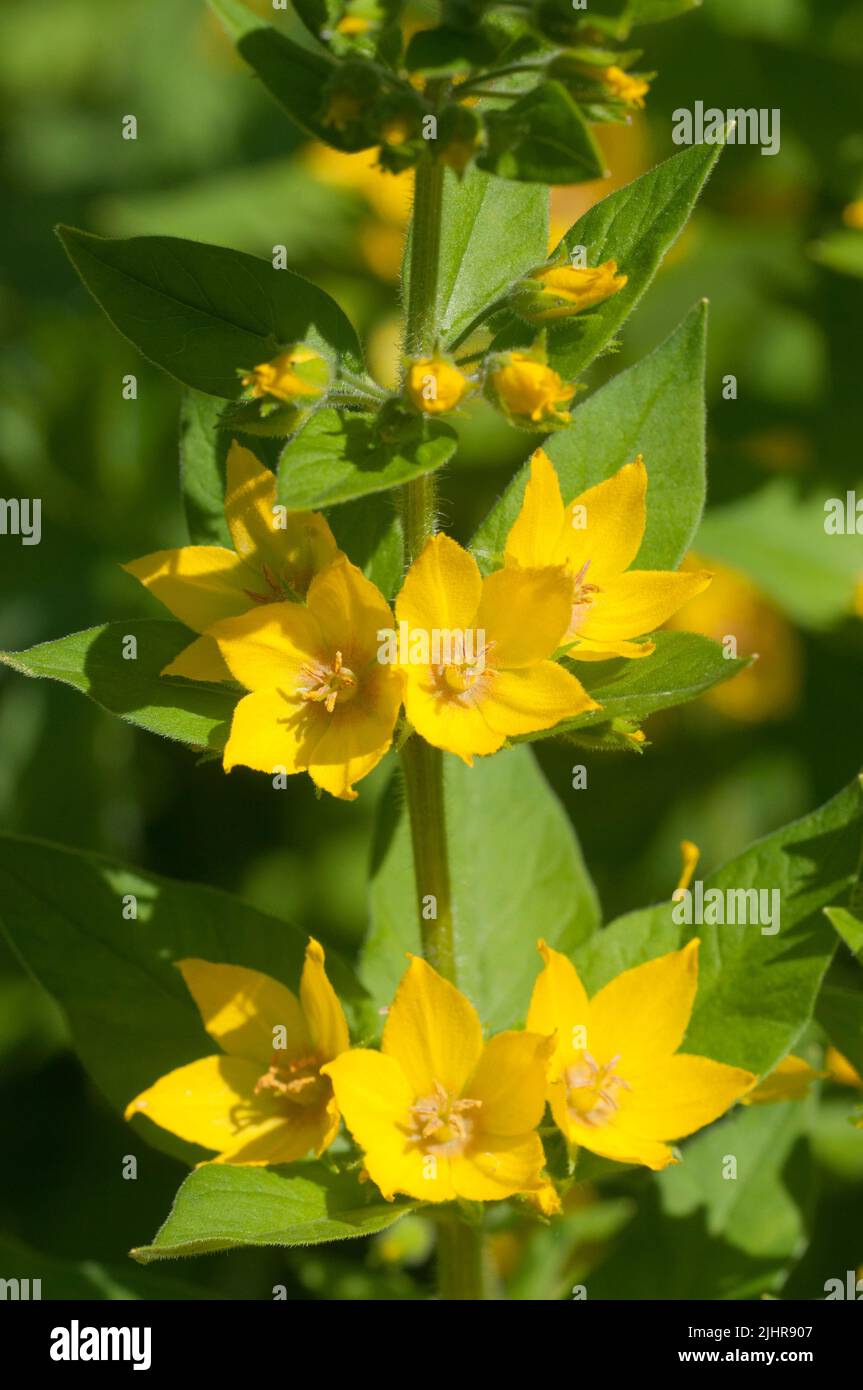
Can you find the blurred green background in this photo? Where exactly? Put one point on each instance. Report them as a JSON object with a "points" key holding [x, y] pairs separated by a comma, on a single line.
{"points": [[773, 245]]}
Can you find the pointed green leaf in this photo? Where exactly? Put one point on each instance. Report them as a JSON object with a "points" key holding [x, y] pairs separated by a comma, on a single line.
{"points": [[655, 408], [132, 687], [225, 1208], [341, 455], [542, 138], [203, 313], [503, 898], [756, 991], [849, 927]]}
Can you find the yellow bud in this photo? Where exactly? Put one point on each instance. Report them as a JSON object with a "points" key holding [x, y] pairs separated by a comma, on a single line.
{"points": [[435, 385], [627, 88], [530, 389], [299, 371], [561, 291]]}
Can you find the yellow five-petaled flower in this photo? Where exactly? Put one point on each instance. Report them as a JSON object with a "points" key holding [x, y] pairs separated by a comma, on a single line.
{"points": [[276, 554], [503, 682], [439, 1114], [617, 1084], [596, 538], [320, 700], [264, 1098]]}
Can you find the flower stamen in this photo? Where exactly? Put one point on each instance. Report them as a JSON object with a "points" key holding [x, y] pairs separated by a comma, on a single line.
{"points": [[441, 1123], [327, 685], [592, 1090]]}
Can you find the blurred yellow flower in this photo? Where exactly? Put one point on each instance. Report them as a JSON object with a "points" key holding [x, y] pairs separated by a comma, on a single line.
{"points": [[503, 682], [529, 390], [320, 701], [298, 373], [839, 1069], [558, 292], [276, 554], [617, 1084], [625, 87], [388, 196], [438, 1114], [435, 385], [791, 1080], [596, 538], [852, 215], [734, 607], [264, 1098]]}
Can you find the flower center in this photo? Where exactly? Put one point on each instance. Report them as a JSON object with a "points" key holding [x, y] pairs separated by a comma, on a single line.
{"points": [[298, 1081], [592, 1090], [278, 589], [441, 1123], [464, 680], [327, 685], [582, 597]]}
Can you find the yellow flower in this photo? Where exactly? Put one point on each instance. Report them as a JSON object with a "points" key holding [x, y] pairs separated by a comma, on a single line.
{"points": [[733, 606], [264, 1098], [435, 385], [596, 538], [625, 87], [790, 1080], [321, 702], [530, 390], [276, 553], [852, 215], [840, 1070], [559, 291], [490, 676], [298, 372], [438, 1114], [617, 1084]]}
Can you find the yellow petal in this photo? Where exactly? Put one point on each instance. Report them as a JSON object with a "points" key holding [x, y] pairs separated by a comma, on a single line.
{"points": [[267, 648], [840, 1069], [355, 737], [289, 1136], [681, 1095], [375, 1098], [510, 1082], [307, 546], [605, 525], [536, 697], [639, 602], [442, 588], [537, 536], [524, 614], [270, 733], [609, 1140], [643, 1014], [350, 611], [200, 661], [559, 1002], [325, 1016], [791, 1080], [250, 496], [241, 1008], [210, 1102], [499, 1166], [199, 584], [432, 1031], [607, 651], [446, 722]]}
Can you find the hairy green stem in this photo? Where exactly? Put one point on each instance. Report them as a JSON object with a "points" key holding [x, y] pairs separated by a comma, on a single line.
{"points": [[422, 766], [461, 1260]]}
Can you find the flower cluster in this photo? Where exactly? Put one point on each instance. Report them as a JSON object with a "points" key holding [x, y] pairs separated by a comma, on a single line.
{"points": [[291, 620], [438, 1112]]}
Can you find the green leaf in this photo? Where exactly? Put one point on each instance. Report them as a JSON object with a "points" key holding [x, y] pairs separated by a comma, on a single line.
{"points": [[636, 226], [202, 313], [224, 1208], [840, 1012], [92, 661], [756, 992], [655, 408], [131, 1017], [841, 251], [779, 540], [655, 11], [684, 666], [338, 456], [87, 1279], [203, 457], [542, 138], [849, 927], [700, 1235], [294, 75], [445, 50], [492, 233], [369, 530], [502, 900]]}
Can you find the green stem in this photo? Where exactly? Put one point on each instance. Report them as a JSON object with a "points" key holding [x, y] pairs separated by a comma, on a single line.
{"points": [[422, 766], [461, 1260]]}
